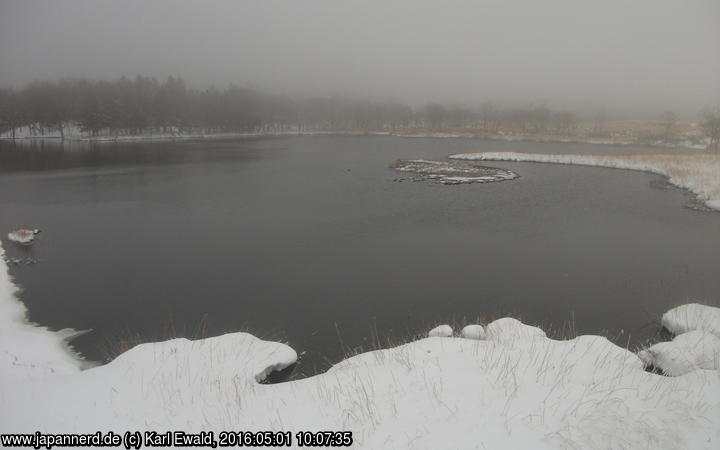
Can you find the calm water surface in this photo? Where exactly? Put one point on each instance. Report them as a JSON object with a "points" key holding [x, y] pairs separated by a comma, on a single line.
{"points": [[310, 240]]}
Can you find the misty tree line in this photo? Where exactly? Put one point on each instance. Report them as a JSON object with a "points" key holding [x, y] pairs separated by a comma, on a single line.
{"points": [[145, 105], [142, 105]]}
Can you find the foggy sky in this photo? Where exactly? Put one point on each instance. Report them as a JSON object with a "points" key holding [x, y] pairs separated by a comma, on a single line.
{"points": [[630, 56]]}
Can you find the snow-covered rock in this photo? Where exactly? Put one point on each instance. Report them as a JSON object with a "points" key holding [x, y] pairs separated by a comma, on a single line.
{"points": [[692, 316], [696, 344], [687, 352], [22, 235], [473, 332], [441, 331], [509, 329]]}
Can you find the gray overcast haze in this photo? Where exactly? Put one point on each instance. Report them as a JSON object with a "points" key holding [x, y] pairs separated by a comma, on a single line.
{"points": [[633, 57]]}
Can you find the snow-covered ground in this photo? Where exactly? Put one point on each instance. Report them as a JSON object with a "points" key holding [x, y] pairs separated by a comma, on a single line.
{"points": [[508, 387], [699, 173]]}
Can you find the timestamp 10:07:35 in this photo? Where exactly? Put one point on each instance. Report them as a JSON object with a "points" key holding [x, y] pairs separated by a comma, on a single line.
{"points": [[285, 439]]}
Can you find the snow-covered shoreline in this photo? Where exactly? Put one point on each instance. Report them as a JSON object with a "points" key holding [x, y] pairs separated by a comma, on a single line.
{"points": [[29, 351], [158, 137], [507, 387], [74, 134], [699, 173]]}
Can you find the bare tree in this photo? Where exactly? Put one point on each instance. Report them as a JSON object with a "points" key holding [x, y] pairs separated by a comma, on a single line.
{"points": [[669, 120], [488, 115], [566, 121], [711, 126], [459, 117], [600, 121], [435, 115]]}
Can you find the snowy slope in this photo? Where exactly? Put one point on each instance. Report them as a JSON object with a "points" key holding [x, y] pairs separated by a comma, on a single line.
{"points": [[515, 388]]}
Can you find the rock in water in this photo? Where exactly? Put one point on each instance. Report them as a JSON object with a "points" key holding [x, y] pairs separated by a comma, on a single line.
{"points": [[23, 236]]}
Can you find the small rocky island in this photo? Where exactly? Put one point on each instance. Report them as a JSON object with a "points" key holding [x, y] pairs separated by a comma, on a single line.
{"points": [[450, 172]]}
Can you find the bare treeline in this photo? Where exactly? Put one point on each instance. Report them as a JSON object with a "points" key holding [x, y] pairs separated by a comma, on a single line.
{"points": [[142, 105], [145, 105]]}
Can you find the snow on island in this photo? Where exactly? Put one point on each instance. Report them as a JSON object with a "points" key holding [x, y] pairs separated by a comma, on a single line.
{"points": [[452, 172], [700, 173], [508, 387]]}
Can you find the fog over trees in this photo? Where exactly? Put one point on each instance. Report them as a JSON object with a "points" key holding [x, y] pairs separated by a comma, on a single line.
{"points": [[636, 59], [144, 105]]}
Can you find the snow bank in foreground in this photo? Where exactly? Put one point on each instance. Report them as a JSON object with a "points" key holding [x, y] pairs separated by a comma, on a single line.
{"points": [[28, 351], [514, 389], [699, 173]]}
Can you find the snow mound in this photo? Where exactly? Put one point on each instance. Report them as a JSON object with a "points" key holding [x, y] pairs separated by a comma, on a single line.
{"points": [[473, 332], [239, 355], [692, 316], [509, 329], [685, 353], [441, 331], [696, 172], [696, 344]]}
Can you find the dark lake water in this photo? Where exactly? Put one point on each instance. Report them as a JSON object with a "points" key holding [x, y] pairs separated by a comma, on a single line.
{"points": [[311, 241]]}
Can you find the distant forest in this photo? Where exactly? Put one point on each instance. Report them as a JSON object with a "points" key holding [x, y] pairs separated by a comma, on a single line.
{"points": [[144, 105]]}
